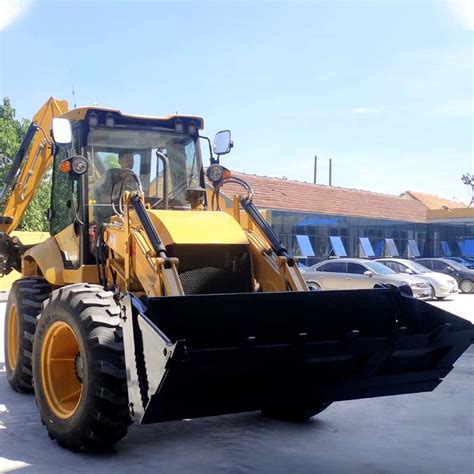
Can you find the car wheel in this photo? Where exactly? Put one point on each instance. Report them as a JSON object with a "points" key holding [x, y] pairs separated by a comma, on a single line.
{"points": [[313, 286], [440, 297], [466, 286]]}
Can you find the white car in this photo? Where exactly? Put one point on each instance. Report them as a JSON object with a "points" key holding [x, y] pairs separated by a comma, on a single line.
{"points": [[442, 285]]}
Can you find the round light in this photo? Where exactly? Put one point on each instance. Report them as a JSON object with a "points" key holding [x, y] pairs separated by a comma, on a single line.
{"points": [[215, 173], [109, 121], [65, 166], [93, 120], [79, 165], [192, 129], [178, 126]]}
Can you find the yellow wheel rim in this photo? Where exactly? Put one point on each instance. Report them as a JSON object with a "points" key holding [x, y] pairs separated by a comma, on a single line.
{"points": [[60, 357], [12, 337]]}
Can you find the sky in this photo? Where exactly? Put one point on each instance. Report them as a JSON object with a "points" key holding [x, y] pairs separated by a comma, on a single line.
{"points": [[384, 88]]}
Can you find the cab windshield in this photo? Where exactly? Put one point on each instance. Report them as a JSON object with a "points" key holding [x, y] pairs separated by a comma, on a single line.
{"points": [[110, 151]]}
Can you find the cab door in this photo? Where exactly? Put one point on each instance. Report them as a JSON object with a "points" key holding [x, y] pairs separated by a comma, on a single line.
{"points": [[63, 212]]}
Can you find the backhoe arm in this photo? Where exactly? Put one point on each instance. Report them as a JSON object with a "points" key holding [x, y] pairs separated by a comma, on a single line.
{"points": [[29, 166]]}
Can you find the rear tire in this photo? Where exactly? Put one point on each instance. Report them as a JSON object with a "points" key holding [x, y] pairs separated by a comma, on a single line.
{"points": [[466, 286], [79, 369], [295, 414], [24, 304]]}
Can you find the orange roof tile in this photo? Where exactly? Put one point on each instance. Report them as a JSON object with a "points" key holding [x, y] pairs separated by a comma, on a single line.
{"points": [[431, 201], [282, 194]]}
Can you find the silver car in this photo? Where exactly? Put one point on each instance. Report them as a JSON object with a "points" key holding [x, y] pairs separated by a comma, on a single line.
{"points": [[441, 285], [354, 273]]}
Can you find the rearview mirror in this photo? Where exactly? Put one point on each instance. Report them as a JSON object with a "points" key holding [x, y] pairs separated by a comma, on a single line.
{"points": [[62, 132], [368, 273], [409, 271], [222, 142]]}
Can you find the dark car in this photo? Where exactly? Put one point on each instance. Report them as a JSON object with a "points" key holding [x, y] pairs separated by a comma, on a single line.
{"points": [[467, 262], [464, 276]]}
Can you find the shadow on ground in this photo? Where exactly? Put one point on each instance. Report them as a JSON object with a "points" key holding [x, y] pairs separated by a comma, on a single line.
{"points": [[431, 432]]}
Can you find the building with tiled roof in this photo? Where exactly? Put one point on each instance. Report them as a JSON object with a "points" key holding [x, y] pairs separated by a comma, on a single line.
{"points": [[431, 201], [320, 218], [283, 194]]}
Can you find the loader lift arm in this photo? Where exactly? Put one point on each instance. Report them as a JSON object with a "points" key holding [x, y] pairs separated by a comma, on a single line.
{"points": [[274, 268], [29, 166]]}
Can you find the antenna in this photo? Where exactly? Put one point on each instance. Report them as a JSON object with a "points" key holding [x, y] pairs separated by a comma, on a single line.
{"points": [[315, 169], [74, 95]]}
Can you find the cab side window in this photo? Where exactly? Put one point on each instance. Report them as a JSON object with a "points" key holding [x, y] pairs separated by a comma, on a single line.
{"points": [[64, 199], [61, 197]]}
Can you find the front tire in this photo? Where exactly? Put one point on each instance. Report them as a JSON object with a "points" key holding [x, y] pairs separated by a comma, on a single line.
{"points": [[79, 369], [24, 304], [466, 286]]}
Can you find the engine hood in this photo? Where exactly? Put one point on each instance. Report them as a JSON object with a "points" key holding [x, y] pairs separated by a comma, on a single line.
{"points": [[196, 227]]}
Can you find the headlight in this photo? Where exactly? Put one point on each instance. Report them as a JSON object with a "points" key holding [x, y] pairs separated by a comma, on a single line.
{"points": [[79, 164], [215, 173]]}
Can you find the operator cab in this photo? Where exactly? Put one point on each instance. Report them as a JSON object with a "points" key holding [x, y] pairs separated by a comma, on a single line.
{"points": [[113, 149]]}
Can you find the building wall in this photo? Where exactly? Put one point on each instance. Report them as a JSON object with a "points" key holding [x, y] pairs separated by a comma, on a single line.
{"points": [[318, 227]]}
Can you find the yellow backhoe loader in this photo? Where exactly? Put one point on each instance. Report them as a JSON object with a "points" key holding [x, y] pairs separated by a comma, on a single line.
{"points": [[149, 303]]}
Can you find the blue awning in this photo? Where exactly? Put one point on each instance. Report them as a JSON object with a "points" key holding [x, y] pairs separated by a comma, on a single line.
{"points": [[365, 247], [337, 246], [446, 250], [412, 249], [305, 245], [391, 248]]}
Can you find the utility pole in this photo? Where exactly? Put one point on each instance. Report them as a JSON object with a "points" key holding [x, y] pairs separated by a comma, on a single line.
{"points": [[315, 169], [330, 171]]}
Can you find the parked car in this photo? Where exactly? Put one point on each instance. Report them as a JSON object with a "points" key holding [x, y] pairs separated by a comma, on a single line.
{"points": [[464, 276], [467, 262], [441, 284], [354, 273]]}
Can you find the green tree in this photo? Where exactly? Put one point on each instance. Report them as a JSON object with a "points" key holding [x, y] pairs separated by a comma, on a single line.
{"points": [[111, 161], [12, 132]]}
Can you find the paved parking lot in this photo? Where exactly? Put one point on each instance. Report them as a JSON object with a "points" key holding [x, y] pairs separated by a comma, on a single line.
{"points": [[420, 433]]}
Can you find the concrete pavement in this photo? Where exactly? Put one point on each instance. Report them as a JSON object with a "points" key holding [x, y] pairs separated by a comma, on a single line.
{"points": [[420, 433]]}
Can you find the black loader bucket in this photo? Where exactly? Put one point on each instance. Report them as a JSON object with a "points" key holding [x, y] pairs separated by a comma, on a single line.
{"points": [[205, 355]]}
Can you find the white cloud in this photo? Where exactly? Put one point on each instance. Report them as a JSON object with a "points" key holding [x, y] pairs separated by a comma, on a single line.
{"points": [[464, 12], [11, 10]]}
